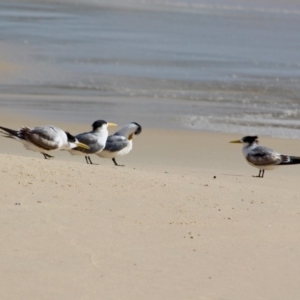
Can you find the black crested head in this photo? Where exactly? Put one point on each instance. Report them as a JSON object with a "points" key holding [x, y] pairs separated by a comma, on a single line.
{"points": [[97, 124], [250, 139], [71, 138], [139, 128]]}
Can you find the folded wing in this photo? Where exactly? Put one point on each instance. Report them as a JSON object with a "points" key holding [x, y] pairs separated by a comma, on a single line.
{"points": [[91, 140], [116, 143], [262, 156], [42, 137]]}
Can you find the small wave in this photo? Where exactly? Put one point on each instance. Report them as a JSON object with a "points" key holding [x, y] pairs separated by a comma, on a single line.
{"points": [[187, 5], [263, 124], [197, 7], [221, 7]]}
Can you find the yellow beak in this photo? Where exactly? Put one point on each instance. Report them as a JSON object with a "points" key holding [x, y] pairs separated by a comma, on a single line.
{"points": [[130, 136], [81, 145], [236, 142], [111, 124]]}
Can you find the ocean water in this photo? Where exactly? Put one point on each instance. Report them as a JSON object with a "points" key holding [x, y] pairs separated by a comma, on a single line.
{"points": [[220, 65]]}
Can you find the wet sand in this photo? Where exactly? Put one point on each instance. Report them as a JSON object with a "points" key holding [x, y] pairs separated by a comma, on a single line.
{"points": [[204, 66], [162, 227], [8, 70]]}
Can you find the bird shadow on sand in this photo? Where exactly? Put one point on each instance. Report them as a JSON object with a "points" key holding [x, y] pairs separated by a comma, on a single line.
{"points": [[236, 175]]}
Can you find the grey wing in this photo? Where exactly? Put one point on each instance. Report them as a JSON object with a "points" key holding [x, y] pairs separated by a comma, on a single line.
{"points": [[89, 139], [43, 137], [262, 156], [116, 143]]}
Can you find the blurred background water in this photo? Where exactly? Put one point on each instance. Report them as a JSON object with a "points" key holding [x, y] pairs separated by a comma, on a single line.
{"points": [[222, 65]]}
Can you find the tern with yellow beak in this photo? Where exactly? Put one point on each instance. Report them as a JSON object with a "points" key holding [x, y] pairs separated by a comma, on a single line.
{"points": [[120, 143], [264, 158], [43, 139], [95, 139]]}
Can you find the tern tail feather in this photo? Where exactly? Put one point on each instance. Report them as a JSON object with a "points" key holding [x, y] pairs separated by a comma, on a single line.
{"points": [[290, 160], [9, 132]]}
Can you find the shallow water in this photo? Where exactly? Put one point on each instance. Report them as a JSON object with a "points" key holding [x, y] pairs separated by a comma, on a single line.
{"points": [[223, 65]]}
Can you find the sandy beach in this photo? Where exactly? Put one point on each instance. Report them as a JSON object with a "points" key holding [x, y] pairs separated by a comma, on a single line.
{"points": [[162, 227]]}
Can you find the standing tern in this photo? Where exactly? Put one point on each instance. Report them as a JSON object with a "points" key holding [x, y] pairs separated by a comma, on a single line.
{"points": [[264, 158], [43, 139], [120, 143], [95, 139]]}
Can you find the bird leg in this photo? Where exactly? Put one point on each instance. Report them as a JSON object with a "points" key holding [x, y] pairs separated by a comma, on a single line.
{"points": [[47, 156], [260, 174], [88, 160], [116, 164]]}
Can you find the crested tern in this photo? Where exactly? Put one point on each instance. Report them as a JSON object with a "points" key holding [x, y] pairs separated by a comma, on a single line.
{"points": [[264, 158], [95, 139], [120, 143], [43, 139]]}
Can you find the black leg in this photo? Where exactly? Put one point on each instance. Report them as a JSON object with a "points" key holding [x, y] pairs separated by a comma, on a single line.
{"points": [[260, 174], [47, 156], [89, 160], [116, 164]]}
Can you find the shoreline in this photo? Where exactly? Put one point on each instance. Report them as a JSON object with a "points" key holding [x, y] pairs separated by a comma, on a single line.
{"points": [[162, 115]]}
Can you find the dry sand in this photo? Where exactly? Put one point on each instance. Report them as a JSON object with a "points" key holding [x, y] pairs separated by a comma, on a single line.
{"points": [[162, 227]]}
